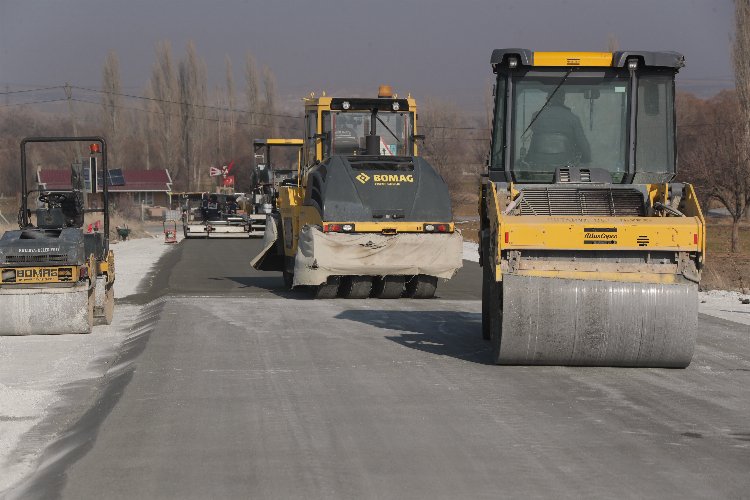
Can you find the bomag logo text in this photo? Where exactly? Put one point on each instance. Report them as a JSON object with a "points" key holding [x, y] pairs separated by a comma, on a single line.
{"points": [[36, 273], [393, 178]]}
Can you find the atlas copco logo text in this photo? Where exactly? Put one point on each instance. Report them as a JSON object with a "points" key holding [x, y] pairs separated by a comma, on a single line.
{"points": [[599, 235], [602, 236]]}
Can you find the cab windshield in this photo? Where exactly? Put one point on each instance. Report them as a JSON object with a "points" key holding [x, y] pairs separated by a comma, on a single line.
{"points": [[349, 129], [563, 119]]}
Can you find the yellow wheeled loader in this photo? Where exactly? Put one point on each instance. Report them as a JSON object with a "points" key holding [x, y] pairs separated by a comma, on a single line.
{"points": [[591, 253], [55, 278], [366, 216]]}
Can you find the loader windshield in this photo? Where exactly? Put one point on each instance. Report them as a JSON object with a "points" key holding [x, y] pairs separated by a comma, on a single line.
{"points": [[562, 120], [350, 128]]}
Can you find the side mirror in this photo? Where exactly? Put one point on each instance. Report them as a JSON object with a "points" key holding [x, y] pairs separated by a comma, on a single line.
{"points": [[651, 98], [418, 137]]}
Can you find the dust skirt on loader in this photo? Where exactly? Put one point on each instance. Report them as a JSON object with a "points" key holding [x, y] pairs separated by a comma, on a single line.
{"points": [[40, 311], [552, 321]]}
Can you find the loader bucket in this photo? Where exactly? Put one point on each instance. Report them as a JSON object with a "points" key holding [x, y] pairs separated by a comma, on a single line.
{"points": [[46, 310], [271, 257], [553, 321]]}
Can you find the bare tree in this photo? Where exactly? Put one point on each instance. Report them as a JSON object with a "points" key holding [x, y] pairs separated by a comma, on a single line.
{"points": [[111, 104], [232, 103], [448, 144], [191, 78], [269, 104], [718, 159], [163, 116], [612, 43], [740, 55], [692, 113], [251, 92]]}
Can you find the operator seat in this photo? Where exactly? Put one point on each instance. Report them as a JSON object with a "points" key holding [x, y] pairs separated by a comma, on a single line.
{"points": [[551, 149]]}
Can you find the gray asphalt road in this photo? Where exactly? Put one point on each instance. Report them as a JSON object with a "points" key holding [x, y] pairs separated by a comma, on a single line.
{"points": [[237, 389]]}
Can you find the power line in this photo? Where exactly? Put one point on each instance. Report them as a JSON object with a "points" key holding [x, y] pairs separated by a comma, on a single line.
{"points": [[8, 92], [30, 102], [219, 120], [207, 106]]}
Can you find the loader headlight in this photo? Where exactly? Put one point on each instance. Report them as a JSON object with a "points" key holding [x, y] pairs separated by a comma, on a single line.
{"points": [[429, 228], [512, 62], [395, 106], [338, 228], [345, 105]]}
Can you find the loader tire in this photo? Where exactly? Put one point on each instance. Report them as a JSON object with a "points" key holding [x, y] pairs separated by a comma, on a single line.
{"points": [[327, 290], [356, 287], [487, 283], [388, 287], [495, 318], [421, 286]]}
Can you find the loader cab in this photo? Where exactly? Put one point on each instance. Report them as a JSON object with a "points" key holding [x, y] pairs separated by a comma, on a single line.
{"points": [[600, 117], [382, 126]]}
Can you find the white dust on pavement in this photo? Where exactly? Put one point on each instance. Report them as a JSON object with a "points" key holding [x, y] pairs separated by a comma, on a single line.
{"points": [[36, 369]]}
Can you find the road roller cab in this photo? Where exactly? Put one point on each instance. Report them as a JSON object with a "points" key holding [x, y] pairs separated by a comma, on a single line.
{"points": [[56, 278], [366, 216], [591, 253]]}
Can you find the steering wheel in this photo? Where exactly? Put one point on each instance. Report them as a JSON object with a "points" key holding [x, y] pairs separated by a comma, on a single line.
{"points": [[53, 198]]}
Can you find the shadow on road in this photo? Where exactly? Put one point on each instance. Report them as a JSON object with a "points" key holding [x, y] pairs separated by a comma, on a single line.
{"points": [[49, 480], [444, 333], [270, 284]]}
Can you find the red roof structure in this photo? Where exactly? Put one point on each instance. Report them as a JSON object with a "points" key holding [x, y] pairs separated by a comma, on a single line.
{"points": [[136, 180]]}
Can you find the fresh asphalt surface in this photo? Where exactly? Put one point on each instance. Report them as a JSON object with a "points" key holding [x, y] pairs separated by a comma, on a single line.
{"points": [[238, 389]]}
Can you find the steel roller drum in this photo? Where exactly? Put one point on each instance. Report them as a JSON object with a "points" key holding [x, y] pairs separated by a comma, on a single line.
{"points": [[550, 321], [37, 311]]}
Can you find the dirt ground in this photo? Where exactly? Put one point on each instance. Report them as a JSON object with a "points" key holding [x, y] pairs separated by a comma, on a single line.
{"points": [[725, 270]]}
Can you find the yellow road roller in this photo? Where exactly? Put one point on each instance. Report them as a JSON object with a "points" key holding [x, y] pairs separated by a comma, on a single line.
{"points": [[56, 278], [591, 253]]}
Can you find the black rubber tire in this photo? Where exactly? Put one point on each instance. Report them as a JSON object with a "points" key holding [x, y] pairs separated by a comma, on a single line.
{"points": [[288, 280], [421, 286], [487, 281], [355, 287], [495, 310], [388, 287], [328, 290]]}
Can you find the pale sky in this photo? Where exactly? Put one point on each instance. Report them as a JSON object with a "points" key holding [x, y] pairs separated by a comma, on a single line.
{"points": [[438, 48]]}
